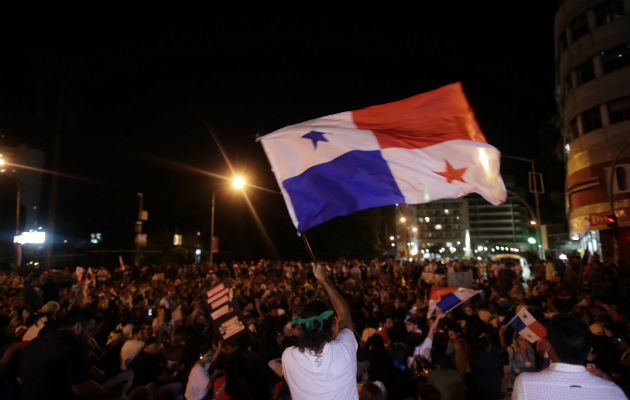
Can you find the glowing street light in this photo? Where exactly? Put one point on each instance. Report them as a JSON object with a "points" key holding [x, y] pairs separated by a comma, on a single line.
{"points": [[391, 238], [238, 182], [415, 229], [533, 222], [403, 219]]}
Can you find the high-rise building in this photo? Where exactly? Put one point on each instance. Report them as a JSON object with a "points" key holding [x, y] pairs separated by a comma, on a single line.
{"points": [[463, 227], [592, 42]]}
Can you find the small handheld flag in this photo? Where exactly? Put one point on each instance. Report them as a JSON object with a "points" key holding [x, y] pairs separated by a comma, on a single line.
{"points": [[448, 298], [411, 151], [527, 326]]}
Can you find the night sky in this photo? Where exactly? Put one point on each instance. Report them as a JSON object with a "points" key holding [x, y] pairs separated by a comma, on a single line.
{"points": [[128, 84]]}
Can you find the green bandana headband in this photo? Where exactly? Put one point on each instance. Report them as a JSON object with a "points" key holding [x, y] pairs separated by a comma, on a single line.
{"points": [[309, 321]]}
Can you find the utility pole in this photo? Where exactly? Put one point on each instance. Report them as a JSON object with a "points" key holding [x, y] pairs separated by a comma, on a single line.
{"points": [[533, 188], [212, 232]]}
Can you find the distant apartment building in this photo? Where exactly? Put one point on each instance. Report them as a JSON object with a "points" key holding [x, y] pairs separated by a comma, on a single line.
{"points": [[464, 227], [592, 47]]}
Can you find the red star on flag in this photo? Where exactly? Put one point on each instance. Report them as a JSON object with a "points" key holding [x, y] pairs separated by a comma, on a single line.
{"points": [[452, 174]]}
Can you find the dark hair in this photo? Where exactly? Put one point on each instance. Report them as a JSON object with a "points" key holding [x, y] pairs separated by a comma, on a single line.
{"points": [[481, 344], [570, 338], [77, 315], [443, 361], [315, 339], [232, 384], [370, 391], [137, 329]]}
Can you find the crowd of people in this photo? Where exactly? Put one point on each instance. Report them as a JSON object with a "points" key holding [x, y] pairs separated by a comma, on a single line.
{"points": [[338, 330]]}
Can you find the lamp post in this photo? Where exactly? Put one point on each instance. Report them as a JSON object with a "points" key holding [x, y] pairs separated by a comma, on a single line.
{"points": [[18, 253], [533, 187], [238, 183]]}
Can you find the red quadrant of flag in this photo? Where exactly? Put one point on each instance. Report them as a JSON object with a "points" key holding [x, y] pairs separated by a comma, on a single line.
{"points": [[423, 120], [538, 329]]}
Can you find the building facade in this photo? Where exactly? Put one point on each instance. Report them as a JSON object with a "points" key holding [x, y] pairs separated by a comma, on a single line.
{"points": [[592, 51], [463, 228]]}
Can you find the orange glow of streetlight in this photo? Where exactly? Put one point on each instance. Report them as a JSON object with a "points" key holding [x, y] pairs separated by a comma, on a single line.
{"points": [[238, 182], [403, 219]]}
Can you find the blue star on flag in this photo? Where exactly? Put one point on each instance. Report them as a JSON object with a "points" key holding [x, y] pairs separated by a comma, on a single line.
{"points": [[315, 136]]}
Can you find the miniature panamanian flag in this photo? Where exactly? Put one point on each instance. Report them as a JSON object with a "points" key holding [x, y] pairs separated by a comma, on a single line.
{"points": [[448, 298], [412, 151], [527, 326]]}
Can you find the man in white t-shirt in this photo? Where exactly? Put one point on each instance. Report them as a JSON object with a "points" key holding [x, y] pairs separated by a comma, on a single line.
{"points": [[324, 364], [132, 347]]}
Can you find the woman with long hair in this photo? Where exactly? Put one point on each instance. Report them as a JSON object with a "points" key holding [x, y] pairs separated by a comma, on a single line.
{"points": [[521, 356], [229, 386]]}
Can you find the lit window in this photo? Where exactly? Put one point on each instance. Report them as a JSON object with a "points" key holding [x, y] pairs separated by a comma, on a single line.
{"points": [[426, 219], [608, 11], [579, 27], [438, 227], [615, 58], [591, 120], [619, 110], [447, 212]]}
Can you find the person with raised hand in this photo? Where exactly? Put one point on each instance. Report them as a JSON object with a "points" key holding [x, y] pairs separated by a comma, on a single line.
{"points": [[324, 364]]}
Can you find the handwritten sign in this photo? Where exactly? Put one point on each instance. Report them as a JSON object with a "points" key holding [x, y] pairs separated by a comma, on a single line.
{"points": [[460, 279], [226, 313]]}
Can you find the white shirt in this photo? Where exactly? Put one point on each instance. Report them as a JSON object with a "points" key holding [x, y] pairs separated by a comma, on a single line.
{"points": [[129, 351], [197, 386], [424, 349], [564, 381], [331, 376]]}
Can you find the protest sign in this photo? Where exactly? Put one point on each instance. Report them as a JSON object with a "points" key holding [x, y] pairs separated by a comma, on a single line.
{"points": [[460, 279], [226, 314]]}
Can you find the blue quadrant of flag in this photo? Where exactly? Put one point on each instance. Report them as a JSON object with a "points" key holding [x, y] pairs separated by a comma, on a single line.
{"points": [[353, 181], [448, 301], [518, 324]]}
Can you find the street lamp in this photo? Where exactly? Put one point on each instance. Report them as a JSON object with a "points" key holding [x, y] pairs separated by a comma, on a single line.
{"points": [[533, 188], [17, 215], [238, 183], [403, 219]]}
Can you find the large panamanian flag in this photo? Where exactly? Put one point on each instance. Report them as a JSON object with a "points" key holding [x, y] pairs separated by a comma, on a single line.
{"points": [[412, 151]]}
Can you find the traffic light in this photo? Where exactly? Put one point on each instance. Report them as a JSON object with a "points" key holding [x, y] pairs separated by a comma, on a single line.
{"points": [[612, 223]]}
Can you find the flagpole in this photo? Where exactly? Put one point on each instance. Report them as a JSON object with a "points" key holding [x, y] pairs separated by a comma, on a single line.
{"points": [[308, 247]]}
